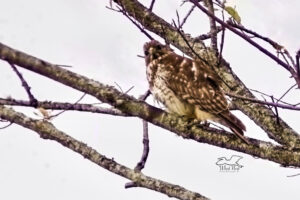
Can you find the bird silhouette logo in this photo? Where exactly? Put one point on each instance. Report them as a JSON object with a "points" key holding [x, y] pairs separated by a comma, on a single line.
{"points": [[229, 165]]}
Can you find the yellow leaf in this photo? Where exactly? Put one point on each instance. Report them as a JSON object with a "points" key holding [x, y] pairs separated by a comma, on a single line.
{"points": [[233, 13]]}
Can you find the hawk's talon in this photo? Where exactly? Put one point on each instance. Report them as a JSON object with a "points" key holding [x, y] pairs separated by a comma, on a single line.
{"points": [[193, 122]]}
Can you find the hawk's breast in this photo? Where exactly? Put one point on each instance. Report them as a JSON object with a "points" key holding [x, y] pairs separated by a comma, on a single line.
{"points": [[157, 78]]}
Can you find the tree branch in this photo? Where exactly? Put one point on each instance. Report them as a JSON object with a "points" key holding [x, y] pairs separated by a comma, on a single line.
{"points": [[131, 106], [261, 115], [46, 130], [213, 26], [252, 42], [63, 106], [289, 107], [263, 50], [27, 88]]}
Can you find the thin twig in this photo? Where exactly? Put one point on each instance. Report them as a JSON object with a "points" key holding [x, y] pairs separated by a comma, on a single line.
{"points": [[276, 111], [219, 3], [213, 27], [178, 19], [186, 17], [145, 95], [284, 57], [207, 35], [53, 116], [290, 107], [120, 88], [121, 10], [287, 53], [293, 175], [267, 95], [151, 5], [127, 91], [27, 88], [222, 41], [298, 62], [286, 92], [4, 127]]}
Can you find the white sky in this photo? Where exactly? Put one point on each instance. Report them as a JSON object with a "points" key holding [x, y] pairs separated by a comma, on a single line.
{"points": [[104, 45]]}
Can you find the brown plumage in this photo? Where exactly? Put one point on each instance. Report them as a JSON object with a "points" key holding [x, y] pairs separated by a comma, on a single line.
{"points": [[188, 87]]}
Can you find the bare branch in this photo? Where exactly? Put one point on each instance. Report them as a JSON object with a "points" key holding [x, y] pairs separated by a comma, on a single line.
{"points": [[297, 62], [27, 88], [151, 5], [46, 130], [289, 107], [262, 49], [274, 44], [261, 115], [121, 10], [6, 126], [180, 126], [276, 111], [53, 116], [64, 106], [207, 35], [141, 164], [288, 90], [186, 17], [270, 96], [146, 149], [145, 95], [293, 175], [213, 26]]}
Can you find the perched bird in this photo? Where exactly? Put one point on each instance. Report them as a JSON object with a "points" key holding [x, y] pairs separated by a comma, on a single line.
{"points": [[188, 87]]}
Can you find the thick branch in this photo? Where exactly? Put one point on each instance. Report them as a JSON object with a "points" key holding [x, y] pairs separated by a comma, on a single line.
{"points": [[134, 107], [47, 131], [261, 115]]}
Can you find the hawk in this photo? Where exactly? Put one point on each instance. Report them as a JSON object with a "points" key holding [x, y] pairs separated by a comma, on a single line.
{"points": [[188, 87]]}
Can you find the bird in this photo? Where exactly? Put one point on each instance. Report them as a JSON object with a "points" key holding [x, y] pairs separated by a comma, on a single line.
{"points": [[188, 87]]}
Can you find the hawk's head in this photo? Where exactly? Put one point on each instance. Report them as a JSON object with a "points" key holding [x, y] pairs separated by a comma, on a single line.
{"points": [[154, 50]]}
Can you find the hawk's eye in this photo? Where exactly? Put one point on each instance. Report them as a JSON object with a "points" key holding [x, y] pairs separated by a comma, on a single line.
{"points": [[158, 47], [146, 53]]}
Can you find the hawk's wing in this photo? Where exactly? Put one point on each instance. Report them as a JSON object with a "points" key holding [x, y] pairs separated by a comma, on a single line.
{"points": [[194, 82]]}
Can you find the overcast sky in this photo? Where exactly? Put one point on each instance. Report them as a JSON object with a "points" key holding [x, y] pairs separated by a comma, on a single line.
{"points": [[104, 45]]}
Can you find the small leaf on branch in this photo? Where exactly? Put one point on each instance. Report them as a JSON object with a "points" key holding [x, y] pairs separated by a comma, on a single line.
{"points": [[233, 13]]}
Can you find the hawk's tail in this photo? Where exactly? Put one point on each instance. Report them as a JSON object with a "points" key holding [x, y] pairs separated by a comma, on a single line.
{"points": [[231, 121]]}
